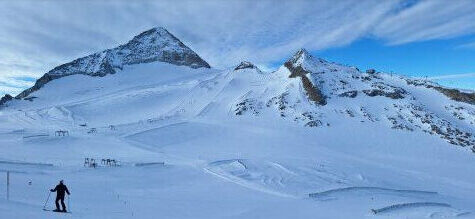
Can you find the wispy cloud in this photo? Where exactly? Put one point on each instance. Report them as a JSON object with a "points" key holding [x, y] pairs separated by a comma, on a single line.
{"points": [[38, 35], [427, 20], [452, 76], [470, 45]]}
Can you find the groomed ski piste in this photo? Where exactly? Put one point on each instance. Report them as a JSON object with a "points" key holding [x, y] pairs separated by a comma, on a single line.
{"points": [[235, 143]]}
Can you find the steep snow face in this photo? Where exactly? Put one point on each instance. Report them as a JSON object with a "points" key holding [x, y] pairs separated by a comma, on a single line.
{"points": [[153, 45]]}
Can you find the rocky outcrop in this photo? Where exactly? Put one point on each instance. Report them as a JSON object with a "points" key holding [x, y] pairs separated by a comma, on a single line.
{"points": [[457, 95], [396, 94], [154, 45], [297, 70], [371, 71], [39, 84], [453, 94], [5, 99], [350, 94], [244, 65]]}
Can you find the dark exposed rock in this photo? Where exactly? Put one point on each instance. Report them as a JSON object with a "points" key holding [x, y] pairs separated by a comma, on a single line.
{"points": [[365, 78], [453, 94], [248, 105], [396, 94], [279, 101], [315, 123], [153, 45], [39, 84], [5, 99], [31, 98], [350, 113], [371, 71], [418, 82], [350, 94], [431, 123], [457, 95], [244, 65]]}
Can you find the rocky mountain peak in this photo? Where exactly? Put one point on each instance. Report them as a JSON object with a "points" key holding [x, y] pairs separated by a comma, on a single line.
{"points": [[304, 59], [150, 37], [300, 65], [5, 98], [299, 58], [154, 32], [154, 45]]}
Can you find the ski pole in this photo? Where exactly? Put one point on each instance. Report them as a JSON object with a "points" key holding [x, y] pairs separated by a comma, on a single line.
{"points": [[47, 199], [69, 206]]}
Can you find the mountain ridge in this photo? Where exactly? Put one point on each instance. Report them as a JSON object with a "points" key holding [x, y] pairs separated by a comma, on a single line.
{"points": [[156, 44], [305, 89], [371, 96]]}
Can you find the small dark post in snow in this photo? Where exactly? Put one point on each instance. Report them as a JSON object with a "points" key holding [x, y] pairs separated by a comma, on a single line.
{"points": [[8, 185]]}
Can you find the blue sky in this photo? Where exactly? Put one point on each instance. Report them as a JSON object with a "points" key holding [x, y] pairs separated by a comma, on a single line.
{"points": [[443, 61], [417, 38]]}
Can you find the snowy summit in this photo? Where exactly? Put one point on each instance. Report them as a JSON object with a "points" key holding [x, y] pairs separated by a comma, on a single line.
{"points": [[153, 45]]}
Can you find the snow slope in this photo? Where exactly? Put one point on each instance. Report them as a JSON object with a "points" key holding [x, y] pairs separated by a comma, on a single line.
{"points": [[313, 139]]}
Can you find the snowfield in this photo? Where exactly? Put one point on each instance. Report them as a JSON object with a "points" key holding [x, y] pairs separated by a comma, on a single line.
{"points": [[240, 143]]}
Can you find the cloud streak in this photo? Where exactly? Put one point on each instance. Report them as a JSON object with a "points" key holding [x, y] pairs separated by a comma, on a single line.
{"points": [[427, 20], [39, 35], [470, 45], [452, 76]]}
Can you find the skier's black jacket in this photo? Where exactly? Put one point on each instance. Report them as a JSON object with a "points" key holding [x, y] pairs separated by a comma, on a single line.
{"points": [[60, 189]]}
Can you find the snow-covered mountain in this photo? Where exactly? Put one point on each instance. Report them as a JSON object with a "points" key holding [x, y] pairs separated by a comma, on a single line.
{"points": [[153, 45], [315, 92], [313, 139]]}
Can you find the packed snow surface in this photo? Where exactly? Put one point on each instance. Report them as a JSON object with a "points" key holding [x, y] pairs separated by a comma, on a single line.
{"points": [[239, 143]]}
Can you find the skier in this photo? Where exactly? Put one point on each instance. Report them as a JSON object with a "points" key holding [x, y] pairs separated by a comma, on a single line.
{"points": [[60, 189]]}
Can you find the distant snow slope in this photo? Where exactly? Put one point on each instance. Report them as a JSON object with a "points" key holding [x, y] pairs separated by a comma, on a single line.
{"points": [[313, 139]]}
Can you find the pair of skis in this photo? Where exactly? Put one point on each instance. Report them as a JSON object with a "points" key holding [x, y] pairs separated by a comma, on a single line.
{"points": [[65, 212]]}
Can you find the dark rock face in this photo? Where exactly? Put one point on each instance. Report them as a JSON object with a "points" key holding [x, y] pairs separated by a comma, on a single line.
{"points": [[453, 94], [5, 99], [370, 71], [350, 94], [154, 45], [396, 94], [30, 98], [315, 123], [39, 83], [244, 65], [251, 105], [457, 95], [312, 91], [158, 44]]}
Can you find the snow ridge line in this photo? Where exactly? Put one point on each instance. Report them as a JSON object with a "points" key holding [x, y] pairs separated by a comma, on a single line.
{"points": [[409, 205], [356, 188]]}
